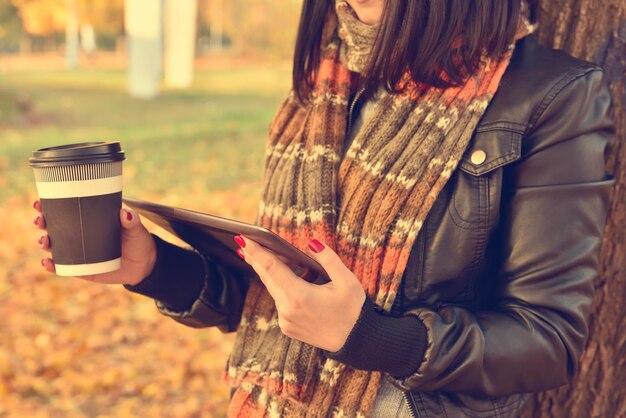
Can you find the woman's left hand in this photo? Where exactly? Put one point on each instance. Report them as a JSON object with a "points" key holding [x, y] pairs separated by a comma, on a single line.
{"points": [[320, 315]]}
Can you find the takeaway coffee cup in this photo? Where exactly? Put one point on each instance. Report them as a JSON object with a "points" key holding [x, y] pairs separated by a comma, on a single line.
{"points": [[80, 189]]}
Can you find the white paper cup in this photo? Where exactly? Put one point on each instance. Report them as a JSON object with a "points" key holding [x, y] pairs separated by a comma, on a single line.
{"points": [[80, 189]]}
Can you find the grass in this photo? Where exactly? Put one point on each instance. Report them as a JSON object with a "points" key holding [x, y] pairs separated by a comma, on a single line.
{"points": [[207, 138], [71, 348]]}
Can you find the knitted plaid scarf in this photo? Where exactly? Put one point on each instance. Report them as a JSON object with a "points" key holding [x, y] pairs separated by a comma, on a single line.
{"points": [[368, 206]]}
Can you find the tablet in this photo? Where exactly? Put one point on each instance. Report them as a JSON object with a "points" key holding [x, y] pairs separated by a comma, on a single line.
{"points": [[213, 236]]}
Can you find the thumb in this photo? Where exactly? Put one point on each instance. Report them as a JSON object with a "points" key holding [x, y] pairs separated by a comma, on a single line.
{"points": [[130, 221], [330, 260]]}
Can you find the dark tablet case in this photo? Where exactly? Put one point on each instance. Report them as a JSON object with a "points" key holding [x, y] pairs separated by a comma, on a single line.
{"points": [[213, 236]]}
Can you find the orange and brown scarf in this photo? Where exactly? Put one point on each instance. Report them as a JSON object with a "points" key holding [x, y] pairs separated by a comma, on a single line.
{"points": [[368, 206]]}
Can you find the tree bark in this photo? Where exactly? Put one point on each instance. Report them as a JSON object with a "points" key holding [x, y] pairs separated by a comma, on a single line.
{"points": [[595, 30]]}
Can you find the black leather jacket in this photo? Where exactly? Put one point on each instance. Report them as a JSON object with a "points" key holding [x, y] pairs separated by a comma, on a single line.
{"points": [[502, 270]]}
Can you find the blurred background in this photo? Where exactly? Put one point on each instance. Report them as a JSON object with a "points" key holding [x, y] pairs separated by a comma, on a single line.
{"points": [[188, 87]]}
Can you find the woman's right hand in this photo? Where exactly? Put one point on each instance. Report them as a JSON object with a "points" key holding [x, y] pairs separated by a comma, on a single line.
{"points": [[138, 250]]}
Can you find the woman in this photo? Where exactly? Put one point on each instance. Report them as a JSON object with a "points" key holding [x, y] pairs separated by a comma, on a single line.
{"points": [[448, 173]]}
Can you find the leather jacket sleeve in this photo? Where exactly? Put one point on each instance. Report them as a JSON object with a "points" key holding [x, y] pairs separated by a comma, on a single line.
{"points": [[533, 331], [194, 289]]}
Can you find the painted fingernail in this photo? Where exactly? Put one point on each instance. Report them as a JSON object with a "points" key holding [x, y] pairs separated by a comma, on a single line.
{"points": [[36, 221], [43, 261], [316, 246], [35, 204], [239, 240], [40, 240], [129, 216], [240, 252]]}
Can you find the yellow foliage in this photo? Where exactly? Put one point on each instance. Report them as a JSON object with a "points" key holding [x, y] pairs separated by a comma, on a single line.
{"points": [[42, 17], [46, 17], [104, 15]]}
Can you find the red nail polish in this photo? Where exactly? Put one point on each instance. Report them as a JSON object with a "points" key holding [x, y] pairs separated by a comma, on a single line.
{"points": [[40, 240], [36, 221], [129, 216], [239, 240], [316, 246], [240, 252], [43, 260], [35, 204]]}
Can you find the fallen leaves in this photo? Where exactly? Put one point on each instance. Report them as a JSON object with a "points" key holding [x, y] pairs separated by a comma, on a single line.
{"points": [[71, 348]]}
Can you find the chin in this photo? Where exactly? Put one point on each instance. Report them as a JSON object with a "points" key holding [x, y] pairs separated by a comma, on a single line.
{"points": [[369, 18], [368, 11]]}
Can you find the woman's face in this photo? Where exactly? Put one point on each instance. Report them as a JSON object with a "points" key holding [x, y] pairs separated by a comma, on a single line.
{"points": [[368, 11]]}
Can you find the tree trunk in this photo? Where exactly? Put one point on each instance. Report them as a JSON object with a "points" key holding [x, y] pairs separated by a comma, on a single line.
{"points": [[596, 31]]}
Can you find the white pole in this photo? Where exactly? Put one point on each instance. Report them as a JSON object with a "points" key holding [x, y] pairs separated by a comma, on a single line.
{"points": [[179, 42], [88, 39], [142, 19]]}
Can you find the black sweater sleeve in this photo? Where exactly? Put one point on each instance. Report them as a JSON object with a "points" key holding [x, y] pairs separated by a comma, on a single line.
{"points": [[195, 289], [177, 278], [383, 343]]}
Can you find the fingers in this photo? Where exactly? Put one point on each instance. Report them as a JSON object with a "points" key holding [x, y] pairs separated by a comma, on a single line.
{"points": [[127, 218], [39, 222], [44, 242], [332, 263], [48, 265], [130, 222], [276, 275]]}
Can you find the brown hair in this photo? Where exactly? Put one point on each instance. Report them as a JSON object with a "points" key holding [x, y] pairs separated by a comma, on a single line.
{"points": [[418, 36]]}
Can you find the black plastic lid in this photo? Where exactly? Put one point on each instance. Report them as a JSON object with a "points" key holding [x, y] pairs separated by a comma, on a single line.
{"points": [[82, 153]]}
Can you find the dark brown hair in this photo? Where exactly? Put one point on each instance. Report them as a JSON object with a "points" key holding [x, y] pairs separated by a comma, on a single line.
{"points": [[416, 35]]}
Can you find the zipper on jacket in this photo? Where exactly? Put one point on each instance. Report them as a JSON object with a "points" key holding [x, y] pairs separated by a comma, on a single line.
{"points": [[410, 404], [357, 96]]}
